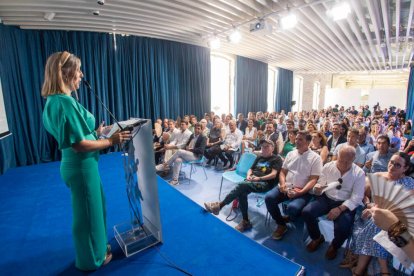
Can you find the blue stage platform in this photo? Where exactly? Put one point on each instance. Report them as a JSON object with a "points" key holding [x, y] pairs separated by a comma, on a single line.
{"points": [[35, 222]]}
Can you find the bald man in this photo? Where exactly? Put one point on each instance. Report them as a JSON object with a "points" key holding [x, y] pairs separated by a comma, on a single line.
{"points": [[344, 184]]}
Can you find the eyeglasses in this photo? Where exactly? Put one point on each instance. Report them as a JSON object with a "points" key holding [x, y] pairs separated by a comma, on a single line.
{"points": [[338, 187], [395, 164]]}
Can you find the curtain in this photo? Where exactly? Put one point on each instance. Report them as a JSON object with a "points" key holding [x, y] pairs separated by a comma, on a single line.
{"points": [[250, 85], [410, 98], [134, 77], [284, 90]]}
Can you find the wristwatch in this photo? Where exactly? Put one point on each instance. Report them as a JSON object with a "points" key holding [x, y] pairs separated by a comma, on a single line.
{"points": [[401, 240]]}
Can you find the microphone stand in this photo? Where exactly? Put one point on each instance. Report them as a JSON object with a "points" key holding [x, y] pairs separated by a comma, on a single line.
{"points": [[109, 112], [127, 128]]}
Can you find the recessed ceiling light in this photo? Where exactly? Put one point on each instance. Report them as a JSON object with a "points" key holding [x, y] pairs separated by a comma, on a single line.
{"points": [[49, 16], [339, 12], [214, 43], [235, 36], [289, 21]]}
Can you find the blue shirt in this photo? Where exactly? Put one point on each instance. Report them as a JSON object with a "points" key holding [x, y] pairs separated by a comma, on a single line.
{"points": [[367, 147], [379, 162]]}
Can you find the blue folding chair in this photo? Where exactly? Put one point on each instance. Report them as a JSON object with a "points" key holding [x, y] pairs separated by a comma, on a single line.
{"points": [[240, 174], [193, 169]]}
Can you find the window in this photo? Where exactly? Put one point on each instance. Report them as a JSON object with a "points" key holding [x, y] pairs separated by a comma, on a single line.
{"points": [[271, 89], [222, 88], [297, 93], [316, 93]]}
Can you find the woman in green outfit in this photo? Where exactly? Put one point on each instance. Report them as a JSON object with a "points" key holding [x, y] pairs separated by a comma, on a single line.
{"points": [[73, 128]]}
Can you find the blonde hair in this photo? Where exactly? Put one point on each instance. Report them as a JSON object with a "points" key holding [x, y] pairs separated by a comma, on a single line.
{"points": [[60, 70]]}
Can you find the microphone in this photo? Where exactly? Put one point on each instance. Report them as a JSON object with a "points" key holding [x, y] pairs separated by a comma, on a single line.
{"points": [[110, 113]]}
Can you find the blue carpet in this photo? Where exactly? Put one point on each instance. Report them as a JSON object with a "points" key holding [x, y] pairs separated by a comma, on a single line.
{"points": [[35, 222]]}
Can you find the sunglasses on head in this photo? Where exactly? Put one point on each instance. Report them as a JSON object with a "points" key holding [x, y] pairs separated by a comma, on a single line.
{"points": [[338, 187]]}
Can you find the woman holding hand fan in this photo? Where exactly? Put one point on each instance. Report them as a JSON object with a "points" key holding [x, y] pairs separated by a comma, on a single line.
{"points": [[365, 247]]}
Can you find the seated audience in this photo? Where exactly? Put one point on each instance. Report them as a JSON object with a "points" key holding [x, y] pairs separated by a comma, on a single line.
{"points": [[352, 140], [214, 141], [290, 143], [193, 122], [159, 149], [172, 130], [299, 174], [274, 135], [178, 141], [375, 131], [165, 125], [363, 140], [204, 129], [326, 128], [377, 161], [339, 203], [395, 140], [290, 125], [319, 145], [231, 143], [249, 137], [261, 177], [282, 127], [365, 247], [193, 151], [208, 118], [335, 139], [241, 122]]}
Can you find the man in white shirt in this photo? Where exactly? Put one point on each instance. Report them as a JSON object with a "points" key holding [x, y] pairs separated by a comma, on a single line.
{"points": [[194, 150], [172, 130], [178, 141], [344, 182], [299, 174], [231, 143]]}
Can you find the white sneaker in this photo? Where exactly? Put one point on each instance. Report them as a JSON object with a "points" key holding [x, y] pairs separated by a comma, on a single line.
{"points": [[160, 168], [174, 182]]}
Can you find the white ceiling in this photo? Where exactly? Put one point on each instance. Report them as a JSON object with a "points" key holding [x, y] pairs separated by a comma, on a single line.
{"points": [[377, 35]]}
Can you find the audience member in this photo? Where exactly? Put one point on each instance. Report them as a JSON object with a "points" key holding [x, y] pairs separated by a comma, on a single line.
{"points": [[249, 137], [179, 141], [193, 151], [352, 140], [339, 203], [365, 247], [319, 145], [261, 177], [274, 135], [377, 161], [231, 143], [299, 174], [290, 143], [363, 141]]}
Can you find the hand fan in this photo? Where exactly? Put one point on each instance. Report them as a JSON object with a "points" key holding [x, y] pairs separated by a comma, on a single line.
{"points": [[394, 197]]}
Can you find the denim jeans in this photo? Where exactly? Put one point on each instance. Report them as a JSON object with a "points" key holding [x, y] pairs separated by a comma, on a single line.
{"points": [[294, 207], [321, 206]]}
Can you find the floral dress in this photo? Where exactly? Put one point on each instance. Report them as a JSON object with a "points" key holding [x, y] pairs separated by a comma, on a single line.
{"points": [[364, 243]]}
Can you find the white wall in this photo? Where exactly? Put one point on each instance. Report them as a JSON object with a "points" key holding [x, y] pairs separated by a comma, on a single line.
{"points": [[388, 97], [352, 97], [342, 97]]}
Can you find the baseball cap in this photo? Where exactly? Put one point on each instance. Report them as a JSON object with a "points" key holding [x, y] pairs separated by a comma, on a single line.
{"points": [[267, 141]]}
